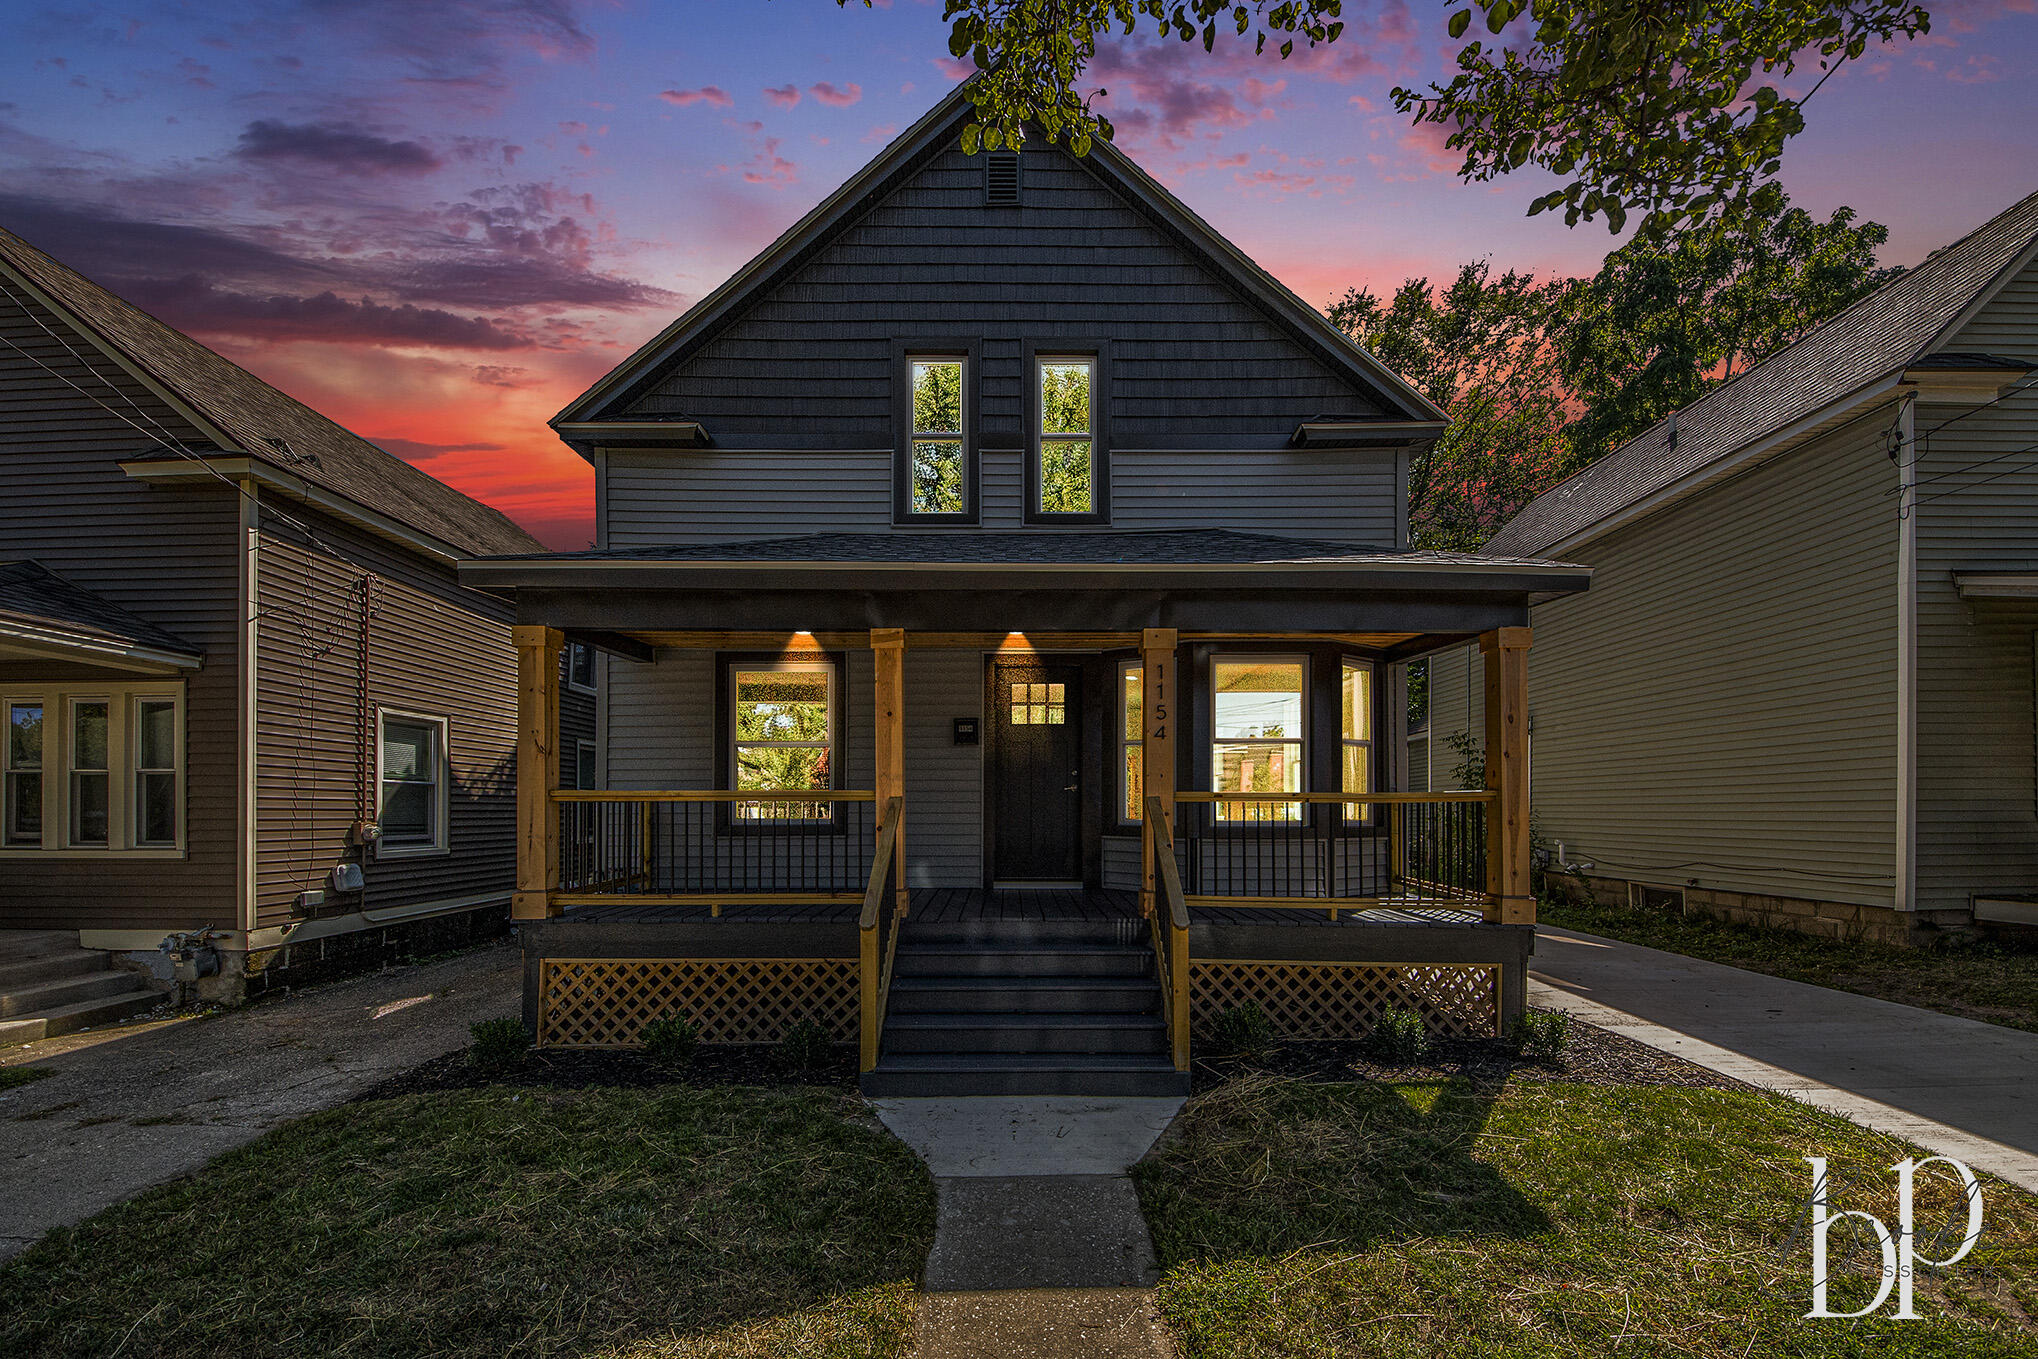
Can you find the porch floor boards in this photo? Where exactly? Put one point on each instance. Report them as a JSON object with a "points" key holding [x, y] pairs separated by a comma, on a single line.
{"points": [[960, 905]]}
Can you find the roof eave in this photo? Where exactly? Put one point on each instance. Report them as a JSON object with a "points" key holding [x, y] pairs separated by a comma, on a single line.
{"points": [[26, 637]]}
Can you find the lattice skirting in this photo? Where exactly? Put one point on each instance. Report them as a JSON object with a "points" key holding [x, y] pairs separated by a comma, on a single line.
{"points": [[605, 1002], [1345, 1000]]}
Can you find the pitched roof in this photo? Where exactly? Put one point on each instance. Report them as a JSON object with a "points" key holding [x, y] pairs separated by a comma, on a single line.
{"points": [[933, 132], [1891, 329], [37, 603], [250, 414]]}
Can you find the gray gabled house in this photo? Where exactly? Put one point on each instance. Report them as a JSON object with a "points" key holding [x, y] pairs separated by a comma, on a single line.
{"points": [[254, 726], [1005, 582], [1801, 689]]}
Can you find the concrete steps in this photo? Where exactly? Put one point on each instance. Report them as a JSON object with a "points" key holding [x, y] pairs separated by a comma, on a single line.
{"points": [[1024, 1008], [50, 986]]}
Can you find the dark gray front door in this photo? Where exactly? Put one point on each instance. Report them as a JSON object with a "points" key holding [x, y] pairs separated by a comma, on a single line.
{"points": [[1036, 772]]}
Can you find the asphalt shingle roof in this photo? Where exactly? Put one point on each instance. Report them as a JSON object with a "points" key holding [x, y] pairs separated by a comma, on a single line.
{"points": [[32, 594], [252, 413], [1884, 332]]}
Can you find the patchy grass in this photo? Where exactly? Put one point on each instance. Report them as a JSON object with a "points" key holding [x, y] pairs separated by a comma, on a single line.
{"points": [[609, 1224], [11, 1076], [1982, 981], [1418, 1221]]}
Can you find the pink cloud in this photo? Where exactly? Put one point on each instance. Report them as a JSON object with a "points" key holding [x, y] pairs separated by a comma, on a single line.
{"points": [[769, 167], [834, 96], [785, 96], [706, 94], [953, 69], [1977, 70], [883, 132]]}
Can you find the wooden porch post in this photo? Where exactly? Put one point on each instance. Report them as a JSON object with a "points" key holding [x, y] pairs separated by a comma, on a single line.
{"points": [[888, 647], [1509, 898], [1157, 748], [537, 770]]}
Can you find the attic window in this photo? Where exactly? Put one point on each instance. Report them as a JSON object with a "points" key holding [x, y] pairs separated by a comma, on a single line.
{"points": [[1001, 178]]}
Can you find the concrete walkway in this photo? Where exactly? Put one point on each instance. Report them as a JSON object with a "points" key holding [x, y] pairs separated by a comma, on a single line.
{"points": [[136, 1105], [1956, 1086], [1040, 1249]]}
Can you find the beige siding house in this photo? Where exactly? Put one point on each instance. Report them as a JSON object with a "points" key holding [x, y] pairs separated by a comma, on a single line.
{"points": [[1834, 562]]}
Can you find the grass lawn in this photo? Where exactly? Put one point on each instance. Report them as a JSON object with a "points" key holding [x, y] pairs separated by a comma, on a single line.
{"points": [[603, 1224], [1431, 1220], [1976, 981]]}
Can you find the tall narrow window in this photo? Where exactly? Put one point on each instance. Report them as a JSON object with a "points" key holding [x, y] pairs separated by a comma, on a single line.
{"points": [[155, 772], [782, 737], [938, 469], [21, 792], [413, 783], [580, 666], [1257, 734], [1132, 741], [91, 794], [1065, 479], [1357, 734]]}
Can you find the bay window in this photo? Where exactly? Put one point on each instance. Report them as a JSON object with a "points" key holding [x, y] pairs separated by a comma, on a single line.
{"points": [[90, 771], [1258, 707]]}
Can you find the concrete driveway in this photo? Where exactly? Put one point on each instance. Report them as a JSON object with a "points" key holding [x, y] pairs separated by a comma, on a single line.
{"points": [[132, 1106], [1957, 1086]]}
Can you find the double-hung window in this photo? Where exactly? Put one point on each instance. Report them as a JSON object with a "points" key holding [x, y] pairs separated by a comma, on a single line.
{"points": [[413, 780], [783, 722], [1258, 715], [1356, 736], [93, 770], [1066, 480], [937, 470]]}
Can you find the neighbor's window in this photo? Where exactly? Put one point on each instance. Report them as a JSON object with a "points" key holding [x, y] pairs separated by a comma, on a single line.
{"points": [[1066, 467], [1357, 733], [413, 815], [580, 666], [586, 766], [91, 789], [155, 772], [21, 790], [938, 471], [1131, 740], [782, 737], [1257, 730]]}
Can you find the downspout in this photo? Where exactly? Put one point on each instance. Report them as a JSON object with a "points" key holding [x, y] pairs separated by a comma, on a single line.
{"points": [[1907, 656], [247, 884]]}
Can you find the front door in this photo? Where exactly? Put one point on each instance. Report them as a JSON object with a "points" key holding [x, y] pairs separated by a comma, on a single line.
{"points": [[1036, 772]]}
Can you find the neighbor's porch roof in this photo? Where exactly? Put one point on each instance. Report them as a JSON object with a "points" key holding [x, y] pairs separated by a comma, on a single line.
{"points": [[1208, 580], [46, 617]]}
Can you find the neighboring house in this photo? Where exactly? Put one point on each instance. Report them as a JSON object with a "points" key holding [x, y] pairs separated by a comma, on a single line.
{"points": [[231, 646], [1801, 691], [997, 502]]}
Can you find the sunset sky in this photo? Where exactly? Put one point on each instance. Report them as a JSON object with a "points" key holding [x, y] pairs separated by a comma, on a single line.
{"points": [[438, 222]]}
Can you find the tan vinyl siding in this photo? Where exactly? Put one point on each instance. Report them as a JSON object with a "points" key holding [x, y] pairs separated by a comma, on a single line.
{"points": [[168, 556], [435, 650], [1722, 705], [1977, 804]]}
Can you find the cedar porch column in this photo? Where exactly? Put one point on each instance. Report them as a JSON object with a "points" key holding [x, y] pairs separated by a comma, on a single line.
{"points": [[888, 648], [1157, 737], [1509, 898], [537, 770]]}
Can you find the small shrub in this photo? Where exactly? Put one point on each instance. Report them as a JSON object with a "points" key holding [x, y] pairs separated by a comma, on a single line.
{"points": [[806, 1045], [498, 1043], [670, 1039], [1400, 1037], [1243, 1030], [1540, 1035]]}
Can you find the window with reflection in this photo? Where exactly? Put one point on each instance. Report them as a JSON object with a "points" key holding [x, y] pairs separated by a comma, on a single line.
{"points": [[93, 768], [1065, 478], [91, 779], [938, 462], [1356, 731], [413, 806], [21, 789], [782, 738], [1258, 708], [1132, 740]]}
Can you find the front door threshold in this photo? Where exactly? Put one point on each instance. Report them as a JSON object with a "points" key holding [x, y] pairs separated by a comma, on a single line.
{"points": [[1038, 885]]}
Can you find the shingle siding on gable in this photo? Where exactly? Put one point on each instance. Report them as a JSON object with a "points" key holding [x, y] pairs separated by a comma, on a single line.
{"points": [[797, 390]]}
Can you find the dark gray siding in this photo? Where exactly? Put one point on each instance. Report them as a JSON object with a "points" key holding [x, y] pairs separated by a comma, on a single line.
{"points": [[1977, 803], [170, 557]]}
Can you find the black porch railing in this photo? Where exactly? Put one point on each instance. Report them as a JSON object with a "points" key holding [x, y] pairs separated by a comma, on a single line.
{"points": [[1402, 849], [676, 846]]}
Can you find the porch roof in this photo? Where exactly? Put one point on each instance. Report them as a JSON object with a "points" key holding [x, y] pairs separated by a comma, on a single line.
{"points": [[1036, 580], [43, 615]]}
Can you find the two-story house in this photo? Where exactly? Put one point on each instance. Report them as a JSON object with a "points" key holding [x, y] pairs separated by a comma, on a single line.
{"points": [[1005, 581]]}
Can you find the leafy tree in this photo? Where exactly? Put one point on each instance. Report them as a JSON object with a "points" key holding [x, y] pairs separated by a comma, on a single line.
{"points": [[1662, 323], [1484, 349], [1673, 111]]}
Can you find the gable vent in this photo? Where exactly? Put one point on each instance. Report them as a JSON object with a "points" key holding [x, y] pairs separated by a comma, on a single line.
{"points": [[1001, 178]]}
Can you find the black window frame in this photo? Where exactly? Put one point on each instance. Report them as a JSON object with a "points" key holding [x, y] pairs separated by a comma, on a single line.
{"points": [[726, 664], [1033, 353], [904, 352]]}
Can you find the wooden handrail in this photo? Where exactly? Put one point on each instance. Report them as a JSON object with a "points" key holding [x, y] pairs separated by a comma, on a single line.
{"points": [[873, 971], [1169, 875], [1382, 799], [887, 839], [711, 795]]}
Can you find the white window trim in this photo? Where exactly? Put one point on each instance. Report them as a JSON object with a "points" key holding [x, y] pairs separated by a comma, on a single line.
{"points": [[1371, 813], [593, 665], [1301, 742], [1125, 743], [442, 839], [834, 744], [1041, 438], [961, 435], [122, 750]]}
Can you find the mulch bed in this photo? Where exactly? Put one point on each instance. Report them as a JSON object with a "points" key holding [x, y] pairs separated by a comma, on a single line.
{"points": [[712, 1064], [1591, 1056]]}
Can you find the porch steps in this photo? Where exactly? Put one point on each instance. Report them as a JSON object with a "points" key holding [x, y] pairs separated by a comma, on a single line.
{"points": [[1030, 1007], [50, 986]]}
